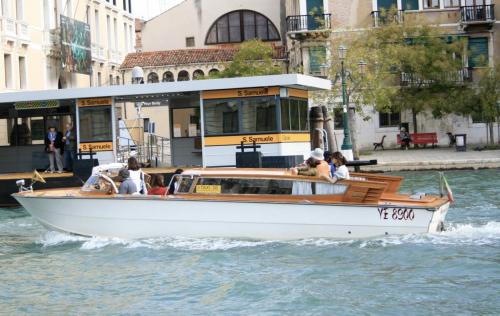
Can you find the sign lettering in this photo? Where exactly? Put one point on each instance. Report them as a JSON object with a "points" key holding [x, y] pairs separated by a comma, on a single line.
{"points": [[94, 102], [33, 105], [208, 189], [95, 147], [397, 214]]}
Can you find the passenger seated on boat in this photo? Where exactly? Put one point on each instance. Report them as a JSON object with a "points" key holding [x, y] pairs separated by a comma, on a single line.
{"points": [[137, 175], [174, 184], [157, 185], [315, 166], [127, 185], [340, 163]]}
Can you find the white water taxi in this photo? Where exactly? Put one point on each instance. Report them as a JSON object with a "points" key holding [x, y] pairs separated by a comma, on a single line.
{"points": [[270, 204]]}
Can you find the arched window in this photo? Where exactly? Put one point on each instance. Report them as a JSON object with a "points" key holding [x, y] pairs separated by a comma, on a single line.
{"points": [[118, 80], [242, 25], [198, 74], [183, 76], [213, 72], [168, 77], [153, 77]]}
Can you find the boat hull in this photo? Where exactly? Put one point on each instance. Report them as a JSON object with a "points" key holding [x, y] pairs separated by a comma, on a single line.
{"points": [[135, 218]]}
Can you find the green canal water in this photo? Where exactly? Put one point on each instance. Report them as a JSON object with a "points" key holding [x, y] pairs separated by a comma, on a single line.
{"points": [[456, 272]]}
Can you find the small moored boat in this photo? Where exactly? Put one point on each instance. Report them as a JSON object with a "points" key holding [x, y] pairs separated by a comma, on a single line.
{"points": [[268, 204]]}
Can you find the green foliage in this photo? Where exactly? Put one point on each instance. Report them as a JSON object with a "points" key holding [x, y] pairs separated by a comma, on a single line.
{"points": [[254, 58], [410, 67]]}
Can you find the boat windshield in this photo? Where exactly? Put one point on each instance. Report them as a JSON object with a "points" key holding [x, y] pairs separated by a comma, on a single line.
{"points": [[99, 183]]}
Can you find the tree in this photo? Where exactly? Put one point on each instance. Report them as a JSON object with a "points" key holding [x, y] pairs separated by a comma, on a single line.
{"points": [[483, 103], [411, 67], [254, 58]]}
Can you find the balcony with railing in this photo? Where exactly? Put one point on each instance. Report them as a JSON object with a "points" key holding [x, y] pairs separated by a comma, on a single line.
{"points": [[309, 23], [385, 17], [458, 77], [477, 14]]}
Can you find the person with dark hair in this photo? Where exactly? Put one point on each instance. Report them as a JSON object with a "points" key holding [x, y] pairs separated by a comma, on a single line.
{"points": [[137, 175], [69, 140], [340, 163], [127, 185], [328, 158], [174, 184], [157, 185], [54, 147]]}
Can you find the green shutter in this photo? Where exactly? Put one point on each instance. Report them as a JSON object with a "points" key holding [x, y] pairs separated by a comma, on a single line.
{"points": [[478, 52], [317, 57], [410, 4]]}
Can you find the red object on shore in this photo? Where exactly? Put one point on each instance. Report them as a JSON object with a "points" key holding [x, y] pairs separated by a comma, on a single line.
{"points": [[421, 139]]}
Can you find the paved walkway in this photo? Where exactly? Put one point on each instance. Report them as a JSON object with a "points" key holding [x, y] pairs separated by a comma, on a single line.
{"points": [[431, 159]]}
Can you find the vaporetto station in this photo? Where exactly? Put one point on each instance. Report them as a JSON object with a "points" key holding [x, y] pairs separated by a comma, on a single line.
{"points": [[272, 110]]}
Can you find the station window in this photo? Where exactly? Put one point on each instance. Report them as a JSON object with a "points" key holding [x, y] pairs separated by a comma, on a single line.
{"points": [[258, 115], [431, 4], [294, 115], [221, 117], [95, 124]]}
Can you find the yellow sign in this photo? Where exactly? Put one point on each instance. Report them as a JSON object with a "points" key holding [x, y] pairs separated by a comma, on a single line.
{"points": [[259, 139], [33, 105], [98, 146], [208, 189], [240, 93], [94, 102]]}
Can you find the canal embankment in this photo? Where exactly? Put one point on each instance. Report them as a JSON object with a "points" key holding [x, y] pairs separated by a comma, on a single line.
{"points": [[431, 159]]}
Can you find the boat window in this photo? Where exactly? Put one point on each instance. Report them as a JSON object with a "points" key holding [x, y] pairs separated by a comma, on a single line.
{"points": [[184, 184], [244, 186], [99, 184], [317, 188]]}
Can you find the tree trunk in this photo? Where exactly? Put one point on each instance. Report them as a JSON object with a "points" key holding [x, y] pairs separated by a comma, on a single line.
{"points": [[354, 133], [492, 136], [329, 128], [498, 129], [415, 127]]}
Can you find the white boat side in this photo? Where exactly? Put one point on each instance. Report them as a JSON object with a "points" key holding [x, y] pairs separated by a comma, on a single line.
{"points": [[131, 217]]}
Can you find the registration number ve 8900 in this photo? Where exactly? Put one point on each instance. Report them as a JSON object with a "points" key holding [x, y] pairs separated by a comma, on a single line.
{"points": [[397, 214]]}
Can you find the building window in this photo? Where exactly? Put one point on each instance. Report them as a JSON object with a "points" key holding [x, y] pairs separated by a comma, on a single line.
{"points": [[115, 34], [213, 72], [95, 124], [168, 77], [110, 80], [153, 77], [189, 41], [239, 26], [410, 4], [451, 3], [431, 4], [20, 10], [7, 61], [99, 79], [294, 115], [22, 73], [117, 80], [198, 74], [96, 27], [183, 76], [478, 52], [389, 119], [108, 28], [317, 58], [129, 6], [125, 38]]}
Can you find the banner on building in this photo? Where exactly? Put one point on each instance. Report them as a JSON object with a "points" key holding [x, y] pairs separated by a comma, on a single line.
{"points": [[76, 53]]}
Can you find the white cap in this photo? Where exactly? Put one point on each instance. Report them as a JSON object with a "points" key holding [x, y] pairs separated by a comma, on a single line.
{"points": [[317, 154]]}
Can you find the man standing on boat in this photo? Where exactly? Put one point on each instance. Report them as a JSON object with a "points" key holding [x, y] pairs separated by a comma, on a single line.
{"points": [[69, 147], [54, 147]]}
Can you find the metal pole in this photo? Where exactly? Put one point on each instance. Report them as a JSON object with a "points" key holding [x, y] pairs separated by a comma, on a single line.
{"points": [[346, 144]]}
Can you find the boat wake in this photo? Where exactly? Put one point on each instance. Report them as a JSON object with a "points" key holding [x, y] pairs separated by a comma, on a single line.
{"points": [[456, 234]]}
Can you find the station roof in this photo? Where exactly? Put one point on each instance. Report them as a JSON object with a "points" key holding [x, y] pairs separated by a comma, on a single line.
{"points": [[195, 86]]}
